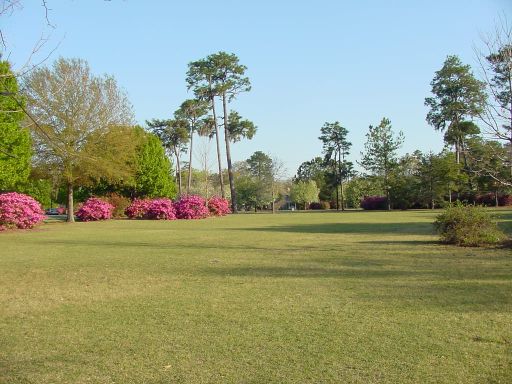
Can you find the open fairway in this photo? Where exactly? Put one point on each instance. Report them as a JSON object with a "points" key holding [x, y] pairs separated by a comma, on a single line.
{"points": [[354, 297]]}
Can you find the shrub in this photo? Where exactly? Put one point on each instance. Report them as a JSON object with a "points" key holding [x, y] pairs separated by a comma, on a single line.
{"points": [[19, 211], [469, 226], [161, 209], [138, 209], [488, 199], [320, 205], [191, 207], [95, 209], [374, 202], [120, 204], [218, 206], [505, 200]]}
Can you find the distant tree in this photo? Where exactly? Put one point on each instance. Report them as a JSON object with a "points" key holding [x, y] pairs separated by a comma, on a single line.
{"points": [[439, 175], [380, 156], [230, 80], [316, 169], [304, 192], [194, 112], [153, 175], [496, 67], [259, 166], [174, 134], [201, 79], [84, 124], [458, 96], [15, 144], [336, 147]]}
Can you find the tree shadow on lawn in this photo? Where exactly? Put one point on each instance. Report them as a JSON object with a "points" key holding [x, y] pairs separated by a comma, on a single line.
{"points": [[405, 288], [341, 228]]}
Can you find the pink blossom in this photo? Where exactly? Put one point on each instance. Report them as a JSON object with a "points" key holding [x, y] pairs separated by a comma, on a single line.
{"points": [[19, 211]]}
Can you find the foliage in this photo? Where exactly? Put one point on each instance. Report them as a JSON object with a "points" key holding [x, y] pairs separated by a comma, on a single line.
{"points": [[490, 199], [137, 209], [304, 192], [161, 209], [380, 155], [336, 147], [374, 202], [320, 205], [84, 125], [191, 207], [174, 135], [457, 96], [218, 206], [153, 176], [120, 204], [95, 209], [468, 225], [15, 143], [19, 211], [39, 189]]}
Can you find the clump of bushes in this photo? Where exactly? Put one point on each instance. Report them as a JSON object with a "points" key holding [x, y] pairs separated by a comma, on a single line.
{"points": [[468, 226], [19, 211], [374, 202], [489, 199], [218, 206], [95, 209], [317, 205], [161, 209], [137, 209], [120, 204], [191, 207]]}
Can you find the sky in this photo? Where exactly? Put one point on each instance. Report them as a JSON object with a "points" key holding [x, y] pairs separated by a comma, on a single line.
{"points": [[308, 62]]}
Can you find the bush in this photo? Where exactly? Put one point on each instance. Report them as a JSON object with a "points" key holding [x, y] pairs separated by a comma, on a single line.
{"points": [[488, 199], [138, 209], [374, 202], [469, 226], [320, 205], [218, 206], [19, 211], [161, 209], [95, 209], [505, 200], [191, 207], [120, 204]]}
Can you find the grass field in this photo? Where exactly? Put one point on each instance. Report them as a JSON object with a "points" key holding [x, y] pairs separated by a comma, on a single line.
{"points": [[354, 297]]}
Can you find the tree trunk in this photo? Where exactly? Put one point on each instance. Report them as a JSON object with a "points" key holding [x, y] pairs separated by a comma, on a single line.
{"points": [[71, 215], [178, 171], [228, 156], [496, 200], [341, 182], [221, 178], [189, 181]]}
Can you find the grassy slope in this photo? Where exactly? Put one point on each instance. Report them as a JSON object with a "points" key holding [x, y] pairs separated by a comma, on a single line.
{"points": [[356, 297]]}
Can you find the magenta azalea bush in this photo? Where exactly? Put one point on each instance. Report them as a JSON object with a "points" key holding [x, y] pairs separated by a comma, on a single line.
{"points": [[138, 209], [95, 209], [161, 209], [19, 211], [218, 206], [191, 207]]}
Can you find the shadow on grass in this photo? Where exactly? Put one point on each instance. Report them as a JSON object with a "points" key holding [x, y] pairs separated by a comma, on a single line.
{"points": [[363, 228]]}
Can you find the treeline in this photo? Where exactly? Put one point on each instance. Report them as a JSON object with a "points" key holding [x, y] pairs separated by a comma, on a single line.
{"points": [[67, 134]]}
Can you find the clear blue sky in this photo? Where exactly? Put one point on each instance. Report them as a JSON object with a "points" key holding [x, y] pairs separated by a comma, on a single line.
{"points": [[309, 62]]}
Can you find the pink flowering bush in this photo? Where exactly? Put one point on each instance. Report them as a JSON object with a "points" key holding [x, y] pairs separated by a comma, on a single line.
{"points": [[138, 209], [191, 207], [218, 206], [95, 209], [19, 211], [161, 209]]}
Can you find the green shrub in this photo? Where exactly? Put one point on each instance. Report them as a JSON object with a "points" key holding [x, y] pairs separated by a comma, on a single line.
{"points": [[468, 226]]}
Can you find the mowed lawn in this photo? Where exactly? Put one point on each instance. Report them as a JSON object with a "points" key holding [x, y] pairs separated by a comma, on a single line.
{"points": [[354, 297]]}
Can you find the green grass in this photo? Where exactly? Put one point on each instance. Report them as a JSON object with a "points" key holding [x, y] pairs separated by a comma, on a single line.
{"points": [[354, 297]]}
